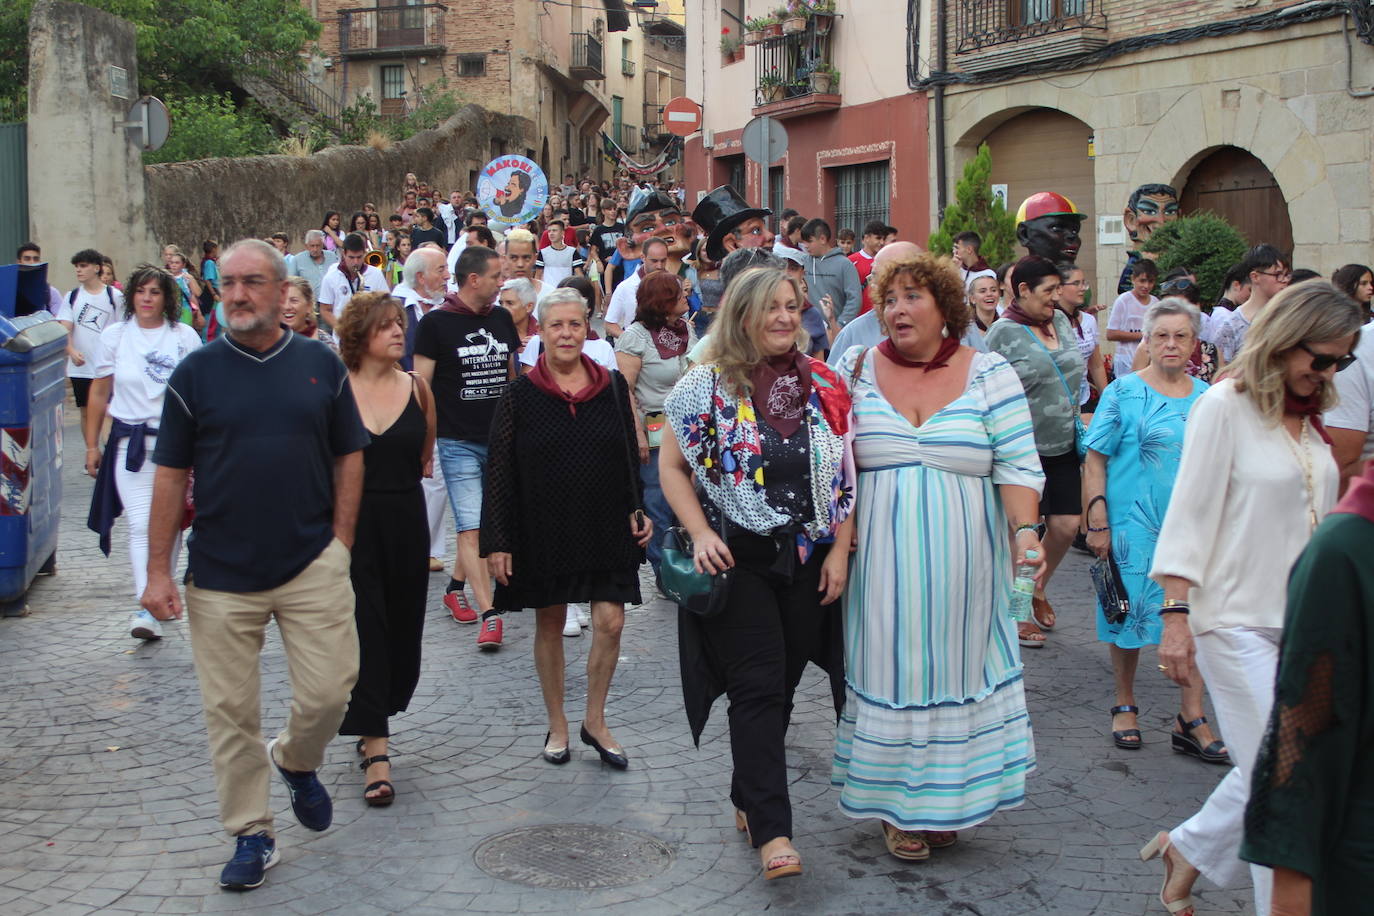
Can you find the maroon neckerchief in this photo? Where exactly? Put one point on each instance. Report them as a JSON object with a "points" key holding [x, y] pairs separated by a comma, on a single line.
{"points": [[671, 340], [782, 385], [1015, 314], [948, 347], [453, 303], [544, 381], [979, 265], [1359, 499], [1310, 407], [1075, 320]]}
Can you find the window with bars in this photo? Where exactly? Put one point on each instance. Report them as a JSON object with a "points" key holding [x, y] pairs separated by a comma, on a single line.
{"points": [[775, 189], [472, 65], [736, 166], [393, 82], [861, 195]]}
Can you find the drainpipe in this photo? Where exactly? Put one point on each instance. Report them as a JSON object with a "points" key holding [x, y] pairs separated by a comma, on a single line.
{"points": [[941, 165]]}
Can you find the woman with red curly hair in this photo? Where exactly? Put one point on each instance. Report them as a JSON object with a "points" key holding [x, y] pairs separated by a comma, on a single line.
{"points": [[652, 355], [934, 736]]}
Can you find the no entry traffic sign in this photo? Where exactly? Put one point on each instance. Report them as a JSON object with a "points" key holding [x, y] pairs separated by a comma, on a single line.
{"points": [[682, 117]]}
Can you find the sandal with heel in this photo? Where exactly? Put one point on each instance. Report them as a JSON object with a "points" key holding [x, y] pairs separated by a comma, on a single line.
{"points": [[907, 845], [1122, 738], [378, 801], [1184, 743], [1159, 847]]}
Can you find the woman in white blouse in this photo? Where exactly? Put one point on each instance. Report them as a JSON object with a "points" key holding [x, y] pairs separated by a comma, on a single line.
{"points": [[1257, 474]]}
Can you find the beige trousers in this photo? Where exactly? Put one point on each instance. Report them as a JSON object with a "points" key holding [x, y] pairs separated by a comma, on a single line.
{"points": [[314, 613]]}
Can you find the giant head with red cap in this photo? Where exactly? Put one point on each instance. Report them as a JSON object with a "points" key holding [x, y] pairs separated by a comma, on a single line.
{"points": [[1048, 225]]}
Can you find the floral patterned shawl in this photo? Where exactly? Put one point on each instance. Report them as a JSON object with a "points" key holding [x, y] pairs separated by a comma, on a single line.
{"points": [[728, 466]]}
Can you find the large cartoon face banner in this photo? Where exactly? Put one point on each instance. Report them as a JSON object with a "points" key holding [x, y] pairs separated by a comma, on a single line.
{"points": [[512, 190]]}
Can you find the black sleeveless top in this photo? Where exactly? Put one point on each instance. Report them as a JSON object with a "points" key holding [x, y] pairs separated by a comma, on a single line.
{"points": [[391, 461]]}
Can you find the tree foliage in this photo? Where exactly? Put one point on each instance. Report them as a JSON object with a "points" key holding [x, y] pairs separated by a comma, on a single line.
{"points": [[1204, 243], [185, 47], [206, 126], [976, 210]]}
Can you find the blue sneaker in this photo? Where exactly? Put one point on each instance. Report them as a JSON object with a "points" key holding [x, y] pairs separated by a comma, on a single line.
{"points": [[309, 799], [253, 855]]}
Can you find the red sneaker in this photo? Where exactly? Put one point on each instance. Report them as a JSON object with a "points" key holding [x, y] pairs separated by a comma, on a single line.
{"points": [[458, 606], [489, 636]]}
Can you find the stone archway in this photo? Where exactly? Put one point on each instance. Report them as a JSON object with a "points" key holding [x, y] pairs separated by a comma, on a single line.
{"points": [[1237, 186]]}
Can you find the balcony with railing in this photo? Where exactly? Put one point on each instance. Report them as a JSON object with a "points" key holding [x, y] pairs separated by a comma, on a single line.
{"points": [[586, 57], [1000, 33], [391, 31], [654, 131], [795, 73]]}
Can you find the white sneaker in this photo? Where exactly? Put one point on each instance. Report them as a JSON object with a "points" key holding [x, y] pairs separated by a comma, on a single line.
{"points": [[570, 625], [584, 615], [143, 625]]}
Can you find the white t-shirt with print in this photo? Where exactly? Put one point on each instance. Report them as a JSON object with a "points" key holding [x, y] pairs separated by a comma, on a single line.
{"points": [[335, 290], [141, 360], [1128, 314], [89, 314]]}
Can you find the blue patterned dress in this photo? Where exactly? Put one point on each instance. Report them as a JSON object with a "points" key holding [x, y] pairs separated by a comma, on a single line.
{"points": [[1140, 431], [934, 734]]}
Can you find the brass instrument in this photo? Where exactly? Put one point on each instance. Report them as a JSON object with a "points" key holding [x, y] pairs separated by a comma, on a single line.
{"points": [[375, 259]]}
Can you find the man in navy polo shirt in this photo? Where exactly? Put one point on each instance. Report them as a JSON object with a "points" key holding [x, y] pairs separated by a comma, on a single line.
{"points": [[267, 420]]}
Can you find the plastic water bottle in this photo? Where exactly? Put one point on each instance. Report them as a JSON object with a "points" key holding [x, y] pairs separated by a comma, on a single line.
{"points": [[1023, 587]]}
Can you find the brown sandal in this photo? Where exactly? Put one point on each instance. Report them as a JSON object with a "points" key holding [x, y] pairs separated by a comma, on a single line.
{"points": [[907, 845], [940, 839], [1043, 613], [782, 865], [1029, 635]]}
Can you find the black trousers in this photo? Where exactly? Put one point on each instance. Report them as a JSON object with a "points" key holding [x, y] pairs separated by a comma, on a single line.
{"points": [[390, 574], [772, 625]]}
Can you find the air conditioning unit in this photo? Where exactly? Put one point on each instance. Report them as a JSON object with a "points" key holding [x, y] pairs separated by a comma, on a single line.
{"points": [[708, 139]]}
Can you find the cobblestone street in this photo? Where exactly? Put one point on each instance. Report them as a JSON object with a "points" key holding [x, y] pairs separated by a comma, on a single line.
{"points": [[110, 807]]}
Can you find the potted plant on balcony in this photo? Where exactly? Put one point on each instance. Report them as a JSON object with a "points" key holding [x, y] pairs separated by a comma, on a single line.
{"points": [[753, 30], [730, 47], [772, 26], [825, 79], [793, 16], [771, 86], [822, 16]]}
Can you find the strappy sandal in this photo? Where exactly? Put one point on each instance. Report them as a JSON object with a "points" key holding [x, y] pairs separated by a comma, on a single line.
{"points": [[782, 865], [1042, 612], [901, 842], [1029, 635], [940, 839], [378, 801], [359, 747], [1122, 738], [1159, 846], [1184, 743]]}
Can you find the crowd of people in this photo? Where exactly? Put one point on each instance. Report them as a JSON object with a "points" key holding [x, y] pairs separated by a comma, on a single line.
{"points": [[854, 453]]}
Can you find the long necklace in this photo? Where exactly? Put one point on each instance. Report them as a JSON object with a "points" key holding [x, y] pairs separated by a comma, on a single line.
{"points": [[1305, 463]]}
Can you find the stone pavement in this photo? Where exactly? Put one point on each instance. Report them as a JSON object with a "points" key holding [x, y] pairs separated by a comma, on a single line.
{"points": [[109, 803]]}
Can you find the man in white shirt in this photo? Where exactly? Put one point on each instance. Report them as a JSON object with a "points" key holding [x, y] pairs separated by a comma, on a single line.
{"points": [[451, 211], [620, 314], [313, 261], [558, 260], [86, 311], [351, 275], [1127, 320]]}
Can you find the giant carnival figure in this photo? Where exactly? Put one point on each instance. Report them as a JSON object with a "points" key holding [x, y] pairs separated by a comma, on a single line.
{"points": [[1048, 225], [1150, 206]]}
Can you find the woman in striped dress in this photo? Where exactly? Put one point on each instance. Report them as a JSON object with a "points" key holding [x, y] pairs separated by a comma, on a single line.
{"points": [[934, 735]]}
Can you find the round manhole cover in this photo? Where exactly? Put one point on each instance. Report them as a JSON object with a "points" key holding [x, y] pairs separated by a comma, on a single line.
{"points": [[573, 856]]}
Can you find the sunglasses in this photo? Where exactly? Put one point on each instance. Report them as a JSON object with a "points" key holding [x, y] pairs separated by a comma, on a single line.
{"points": [[1181, 285], [1323, 361]]}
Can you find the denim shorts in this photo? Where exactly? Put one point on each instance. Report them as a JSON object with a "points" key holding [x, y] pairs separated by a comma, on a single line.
{"points": [[463, 463]]}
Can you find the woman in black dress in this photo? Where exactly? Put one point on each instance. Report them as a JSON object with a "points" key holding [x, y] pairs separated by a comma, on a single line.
{"points": [[570, 529], [390, 568]]}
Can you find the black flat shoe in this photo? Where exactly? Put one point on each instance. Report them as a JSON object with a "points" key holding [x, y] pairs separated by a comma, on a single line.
{"points": [[556, 757], [614, 758], [1185, 743], [1122, 738]]}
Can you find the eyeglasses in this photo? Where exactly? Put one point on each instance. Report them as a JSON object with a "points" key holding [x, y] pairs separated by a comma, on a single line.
{"points": [[1323, 361], [1277, 274], [1081, 284]]}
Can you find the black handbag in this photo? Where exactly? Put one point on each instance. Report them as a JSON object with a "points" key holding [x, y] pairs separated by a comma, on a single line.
{"points": [[1111, 590]]}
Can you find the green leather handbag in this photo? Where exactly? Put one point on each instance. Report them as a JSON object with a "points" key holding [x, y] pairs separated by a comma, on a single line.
{"points": [[699, 592]]}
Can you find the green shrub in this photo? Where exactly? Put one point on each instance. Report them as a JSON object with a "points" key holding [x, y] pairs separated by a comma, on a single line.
{"points": [[976, 210], [1204, 243], [207, 126]]}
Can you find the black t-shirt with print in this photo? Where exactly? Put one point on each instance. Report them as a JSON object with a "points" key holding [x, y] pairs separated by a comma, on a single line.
{"points": [[603, 239], [472, 366]]}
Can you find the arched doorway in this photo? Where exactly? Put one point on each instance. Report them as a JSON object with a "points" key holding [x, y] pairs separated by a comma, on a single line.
{"points": [[1047, 150], [1238, 187]]}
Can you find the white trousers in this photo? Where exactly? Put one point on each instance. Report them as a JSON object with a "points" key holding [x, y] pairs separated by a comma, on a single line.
{"points": [[436, 501], [1238, 664], [136, 493]]}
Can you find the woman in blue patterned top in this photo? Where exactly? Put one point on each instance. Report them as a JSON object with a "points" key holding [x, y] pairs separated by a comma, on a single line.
{"points": [[934, 736], [1134, 447]]}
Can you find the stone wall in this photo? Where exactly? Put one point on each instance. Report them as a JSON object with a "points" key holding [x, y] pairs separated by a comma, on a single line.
{"points": [[229, 199]]}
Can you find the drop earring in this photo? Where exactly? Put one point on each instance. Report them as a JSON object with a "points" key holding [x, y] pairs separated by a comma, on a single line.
{"points": [[944, 332]]}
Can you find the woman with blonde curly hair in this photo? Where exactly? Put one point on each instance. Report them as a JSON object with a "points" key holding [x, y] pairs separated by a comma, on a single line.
{"points": [[761, 428], [389, 569], [934, 736], [298, 312], [1256, 476]]}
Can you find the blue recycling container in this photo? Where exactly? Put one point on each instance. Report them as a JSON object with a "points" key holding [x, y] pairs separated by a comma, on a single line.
{"points": [[33, 372]]}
